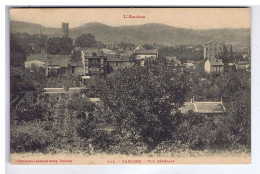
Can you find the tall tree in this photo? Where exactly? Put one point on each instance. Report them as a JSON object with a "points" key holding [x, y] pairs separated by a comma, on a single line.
{"points": [[56, 45], [17, 53], [86, 41], [140, 101]]}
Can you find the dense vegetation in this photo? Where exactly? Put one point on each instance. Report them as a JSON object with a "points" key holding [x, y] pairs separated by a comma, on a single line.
{"points": [[57, 45], [138, 112]]}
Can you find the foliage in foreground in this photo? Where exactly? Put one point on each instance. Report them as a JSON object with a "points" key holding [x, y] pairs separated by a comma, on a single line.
{"points": [[138, 114]]}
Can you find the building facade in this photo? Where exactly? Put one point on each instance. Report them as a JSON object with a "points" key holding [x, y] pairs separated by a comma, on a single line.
{"points": [[214, 66], [140, 53], [94, 62], [57, 65], [119, 62]]}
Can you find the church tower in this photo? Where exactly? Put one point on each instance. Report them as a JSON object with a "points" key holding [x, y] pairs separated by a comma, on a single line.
{"points": [[65, 29]]}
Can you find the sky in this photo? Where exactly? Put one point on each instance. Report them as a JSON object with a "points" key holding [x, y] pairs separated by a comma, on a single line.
{"points": [[192, 18]]}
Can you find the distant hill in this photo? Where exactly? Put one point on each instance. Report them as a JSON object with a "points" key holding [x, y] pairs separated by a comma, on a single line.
{"points": [[141, 34], [25, 27]]}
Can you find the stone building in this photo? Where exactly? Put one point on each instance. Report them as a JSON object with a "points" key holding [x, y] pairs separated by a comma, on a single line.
{"points": [[94, 62]]}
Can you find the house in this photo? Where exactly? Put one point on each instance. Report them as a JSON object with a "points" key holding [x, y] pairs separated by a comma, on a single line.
{"points": [[140, 53], [118, 62], [214, 65], [209, 107], [57, 65], [85, 62], [94, 62]]}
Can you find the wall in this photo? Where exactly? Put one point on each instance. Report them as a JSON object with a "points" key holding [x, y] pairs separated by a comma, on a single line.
{"points": [[207, 66]]}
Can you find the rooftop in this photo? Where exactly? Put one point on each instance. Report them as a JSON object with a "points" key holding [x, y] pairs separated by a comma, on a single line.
{"points": [[203, 107], [58, 60], [54, 90], [39, 57], [118, 59], [216, 62], [75, 63], [142, 50], [92, 52]]}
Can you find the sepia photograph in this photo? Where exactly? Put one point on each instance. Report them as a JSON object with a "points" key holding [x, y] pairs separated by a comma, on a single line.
{"points": [[130, 86]]}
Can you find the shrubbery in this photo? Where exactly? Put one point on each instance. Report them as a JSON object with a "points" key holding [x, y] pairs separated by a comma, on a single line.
{"points": [[30, 137], [138, 114]]}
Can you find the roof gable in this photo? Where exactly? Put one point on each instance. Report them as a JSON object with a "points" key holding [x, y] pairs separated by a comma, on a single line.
{"points": [[216, 62], [142, 50], [58, 60], [39, 57]]}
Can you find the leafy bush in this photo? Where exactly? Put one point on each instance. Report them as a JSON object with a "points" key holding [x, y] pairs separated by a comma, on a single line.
{"points": [[30, 137]]}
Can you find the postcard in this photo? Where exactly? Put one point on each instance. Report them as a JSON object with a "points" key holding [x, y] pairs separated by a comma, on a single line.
{"points": [[130, 86]]}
